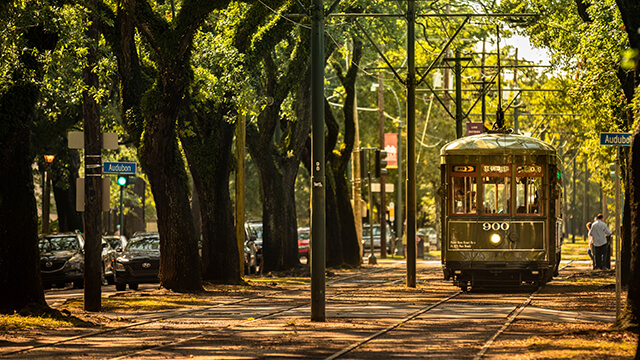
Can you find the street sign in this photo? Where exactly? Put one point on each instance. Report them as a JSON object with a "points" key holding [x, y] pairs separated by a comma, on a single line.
{"points": [[76, 140], [616, 139], [475, 128], [118, 168]]}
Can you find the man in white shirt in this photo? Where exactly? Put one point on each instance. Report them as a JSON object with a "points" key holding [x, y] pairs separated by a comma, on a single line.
{"points": [[599, 231]]}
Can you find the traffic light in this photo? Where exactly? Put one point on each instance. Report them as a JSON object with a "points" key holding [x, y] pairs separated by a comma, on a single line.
{"points": [[123, 180], [612, 167], [364, 166], [381, 163]]}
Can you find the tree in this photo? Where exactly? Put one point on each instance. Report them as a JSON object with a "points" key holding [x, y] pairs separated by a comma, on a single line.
{"points": [[342, 239], [630, 12], [19, 92], [170, 41], [207, 134], [276, 75]]}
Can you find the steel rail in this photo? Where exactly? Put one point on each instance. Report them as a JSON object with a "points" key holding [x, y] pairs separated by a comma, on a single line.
{"points": [[182, 312], [262, 317], [390, 328], [514, 314]]}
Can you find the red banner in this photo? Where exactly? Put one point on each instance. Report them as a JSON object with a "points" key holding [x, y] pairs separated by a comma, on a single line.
{"points": [[391, 147]]}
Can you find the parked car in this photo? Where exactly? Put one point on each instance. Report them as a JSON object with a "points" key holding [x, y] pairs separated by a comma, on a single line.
{"points": [[62, 259], [303, 242], [108, 257], [139, 261], [254, 227], [366, 237], [429, 236], [250, 252], [117, 242]]}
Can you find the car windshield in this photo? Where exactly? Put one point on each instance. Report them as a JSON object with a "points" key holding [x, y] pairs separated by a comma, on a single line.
{"points": [[303, 235], [376, 230], [58, 243], [113, 241], [257, 230], [147, 243]]}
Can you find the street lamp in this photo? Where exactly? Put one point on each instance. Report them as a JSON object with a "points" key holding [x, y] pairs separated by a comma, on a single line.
{"points": [[398, 121], [46, 193]]}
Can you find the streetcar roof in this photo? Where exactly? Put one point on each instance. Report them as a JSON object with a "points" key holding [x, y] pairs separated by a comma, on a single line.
{"points": [[492, 141]]}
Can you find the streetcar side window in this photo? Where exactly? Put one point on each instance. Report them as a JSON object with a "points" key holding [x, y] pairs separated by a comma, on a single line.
{"points": [[529, 190], [464, 189], [496, 189]]}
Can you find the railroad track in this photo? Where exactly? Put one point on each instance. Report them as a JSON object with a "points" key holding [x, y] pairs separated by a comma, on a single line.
{"points": [[168, 315], [240, 316]]}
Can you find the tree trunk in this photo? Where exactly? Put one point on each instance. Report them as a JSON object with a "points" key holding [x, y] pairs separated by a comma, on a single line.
{"points": [[210, 160], [334, 248], [279, 221], [180, 268], [64, 191], [20, 283], [19, 257]]}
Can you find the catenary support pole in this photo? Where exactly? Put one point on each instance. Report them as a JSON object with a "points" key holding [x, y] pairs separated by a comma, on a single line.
{"points": [[618, 237], [93, 173], [318, 218], [411, 145], [240, 218], [399, 194], [383, 199], [458, 74]]}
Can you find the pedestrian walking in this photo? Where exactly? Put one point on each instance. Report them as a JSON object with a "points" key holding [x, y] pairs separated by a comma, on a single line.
{"points": [[599, 231], [590, 249]]}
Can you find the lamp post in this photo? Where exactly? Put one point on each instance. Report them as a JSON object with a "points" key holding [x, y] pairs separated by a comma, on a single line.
{"points": [[398, 121], [46, 193]]}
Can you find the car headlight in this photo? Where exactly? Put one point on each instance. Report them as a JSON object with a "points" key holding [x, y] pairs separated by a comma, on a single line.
{"points": [[122, 259], [495, 239]]}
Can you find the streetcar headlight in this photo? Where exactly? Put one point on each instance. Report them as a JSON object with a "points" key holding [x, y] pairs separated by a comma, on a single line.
{"points": [[495, 239]]}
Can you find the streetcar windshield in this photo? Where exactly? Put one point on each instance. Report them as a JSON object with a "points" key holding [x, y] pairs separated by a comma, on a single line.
{"points": [[496, 189]]}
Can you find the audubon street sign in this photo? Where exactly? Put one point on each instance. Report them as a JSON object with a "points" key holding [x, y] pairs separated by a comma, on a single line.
{"points": [[616, 139], [118, 168]]}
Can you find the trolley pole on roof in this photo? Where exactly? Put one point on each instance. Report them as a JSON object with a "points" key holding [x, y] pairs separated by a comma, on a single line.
{"points": [[411, 144], [318, 218]]}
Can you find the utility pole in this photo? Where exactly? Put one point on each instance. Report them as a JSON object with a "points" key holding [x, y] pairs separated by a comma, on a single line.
{"points": [[484, 98], [399, 189], [573, 202], [240, 218], [93, 173], [411, 144], [516, 106], [357, 180], [383, 199], [586, 195], [318, 208], [458, 70]]}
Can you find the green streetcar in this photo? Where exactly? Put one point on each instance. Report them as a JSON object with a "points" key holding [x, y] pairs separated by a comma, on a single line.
{"points": [[501, 200]]}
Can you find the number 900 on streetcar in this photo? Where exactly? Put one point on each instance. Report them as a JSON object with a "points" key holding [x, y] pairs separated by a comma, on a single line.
{"points": [[500, 200]]}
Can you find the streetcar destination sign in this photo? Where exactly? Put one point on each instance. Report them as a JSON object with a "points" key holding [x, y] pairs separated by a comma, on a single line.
{"points": [[118, 168], [616, 139]]}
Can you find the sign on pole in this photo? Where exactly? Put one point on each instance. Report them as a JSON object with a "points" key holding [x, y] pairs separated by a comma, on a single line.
{"points": [[391, 147], [119, 168], [615, 139], [474, 128]]}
